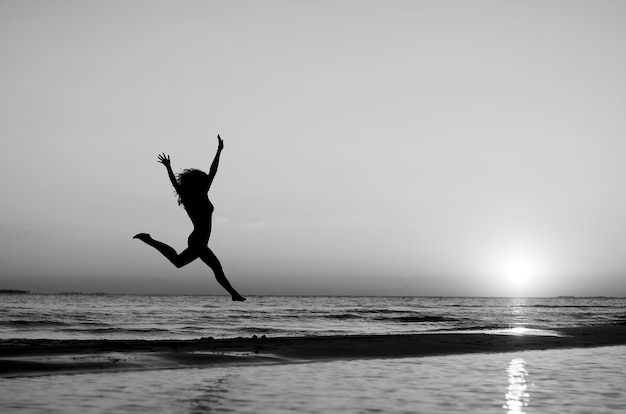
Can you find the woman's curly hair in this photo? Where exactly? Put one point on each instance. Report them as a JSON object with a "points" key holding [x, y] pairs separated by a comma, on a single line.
{"points": [[192, 183]]}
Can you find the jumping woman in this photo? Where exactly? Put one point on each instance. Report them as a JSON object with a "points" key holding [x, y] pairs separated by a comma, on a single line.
{"points": [[192, 187]]}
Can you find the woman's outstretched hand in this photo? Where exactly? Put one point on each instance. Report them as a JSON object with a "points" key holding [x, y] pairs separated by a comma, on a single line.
{"points": [[164, 159], [220, 143]]}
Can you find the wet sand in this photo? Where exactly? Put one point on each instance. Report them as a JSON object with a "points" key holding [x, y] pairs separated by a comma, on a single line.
{"points": [[45, 357]]}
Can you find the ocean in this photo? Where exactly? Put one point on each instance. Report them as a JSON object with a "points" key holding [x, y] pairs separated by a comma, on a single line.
{"points": [[584, 380], [101, 316]]}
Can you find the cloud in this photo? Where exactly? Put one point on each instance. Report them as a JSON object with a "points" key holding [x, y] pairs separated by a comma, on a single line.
{"points": [[240, 223]]}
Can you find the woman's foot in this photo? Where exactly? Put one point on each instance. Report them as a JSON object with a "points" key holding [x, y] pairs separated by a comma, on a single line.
{"points": [[238, 298], [143, 237]]}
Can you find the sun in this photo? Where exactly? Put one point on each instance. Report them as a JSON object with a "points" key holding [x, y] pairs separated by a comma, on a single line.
{"points": [[519, 272]]}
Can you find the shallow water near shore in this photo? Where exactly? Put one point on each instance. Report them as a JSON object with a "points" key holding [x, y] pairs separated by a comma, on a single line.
{"points": [[555, 381]]}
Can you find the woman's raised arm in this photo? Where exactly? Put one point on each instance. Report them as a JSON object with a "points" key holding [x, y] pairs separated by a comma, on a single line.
{"points": [[216, 160], [165, 160]]}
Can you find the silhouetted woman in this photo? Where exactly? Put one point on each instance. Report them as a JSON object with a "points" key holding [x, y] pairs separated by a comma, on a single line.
{"points": [[192, 187]]}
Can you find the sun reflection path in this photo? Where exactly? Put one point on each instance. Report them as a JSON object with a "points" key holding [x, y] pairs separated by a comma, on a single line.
{"points": [[517, 309], [517, 396]]}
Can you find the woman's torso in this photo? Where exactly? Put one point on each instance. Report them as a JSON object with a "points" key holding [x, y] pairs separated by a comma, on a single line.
{"points": [[200, 211]]}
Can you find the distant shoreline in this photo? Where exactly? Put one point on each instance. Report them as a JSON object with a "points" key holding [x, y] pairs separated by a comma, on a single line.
{"points": [[14, 292], [23, 357]]}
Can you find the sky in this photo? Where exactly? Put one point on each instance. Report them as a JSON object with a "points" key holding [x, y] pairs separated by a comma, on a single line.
{"points": [[437, 148]]}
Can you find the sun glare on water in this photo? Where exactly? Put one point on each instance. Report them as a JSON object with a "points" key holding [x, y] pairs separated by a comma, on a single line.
{"points": [[519, 272]]}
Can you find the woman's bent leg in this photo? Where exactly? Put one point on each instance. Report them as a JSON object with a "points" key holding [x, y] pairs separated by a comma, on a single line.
{"points": [[179, 260], [208, 257]]}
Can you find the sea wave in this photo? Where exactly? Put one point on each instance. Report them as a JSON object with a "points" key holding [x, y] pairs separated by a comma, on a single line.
{"points": [[418, 318], [33, 323], [572, 306]]}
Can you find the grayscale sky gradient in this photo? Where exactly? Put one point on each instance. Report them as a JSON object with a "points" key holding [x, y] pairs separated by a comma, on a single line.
{"points": [[371, 147]]}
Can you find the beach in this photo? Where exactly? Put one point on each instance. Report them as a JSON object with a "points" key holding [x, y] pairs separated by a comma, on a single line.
{"points": [[177, 353], [23, 357]]}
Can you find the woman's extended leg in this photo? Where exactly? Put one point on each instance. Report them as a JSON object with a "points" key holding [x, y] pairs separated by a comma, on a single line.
{"points": [[208, 257], [179, 260]]}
